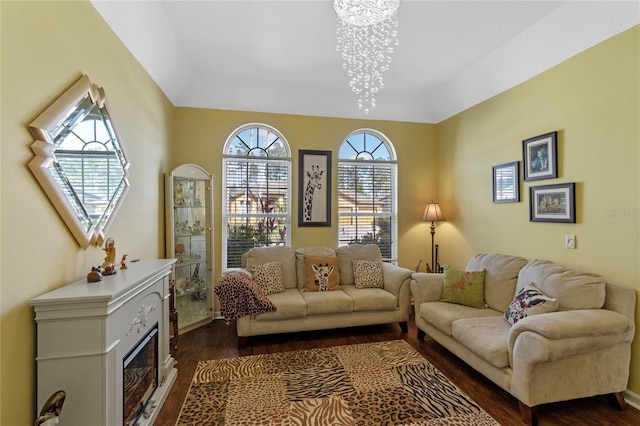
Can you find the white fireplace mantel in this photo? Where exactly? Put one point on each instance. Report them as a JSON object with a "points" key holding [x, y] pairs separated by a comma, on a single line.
{"points": [[86, 329]]}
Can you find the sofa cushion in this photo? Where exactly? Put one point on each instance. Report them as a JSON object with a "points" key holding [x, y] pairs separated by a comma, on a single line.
{"points": [[370, 299], [268, 276], [443, 314], [346, 254], [463, 287], [289, 304], [322, 273], [573, 289], [529, 301], [285, 255], [500, 278], [316, 251], [367, 273], [327, 302], [486, 337]]}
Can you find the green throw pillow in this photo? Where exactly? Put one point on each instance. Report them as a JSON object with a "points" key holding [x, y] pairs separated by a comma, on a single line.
{"points": [[463, 288]]}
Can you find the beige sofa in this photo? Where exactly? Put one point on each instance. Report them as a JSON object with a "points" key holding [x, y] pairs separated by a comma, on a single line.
{"points": [[583, 349], [300, 310]]}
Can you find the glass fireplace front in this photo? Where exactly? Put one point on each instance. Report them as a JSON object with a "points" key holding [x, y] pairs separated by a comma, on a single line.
{"points": [[140, 377]]}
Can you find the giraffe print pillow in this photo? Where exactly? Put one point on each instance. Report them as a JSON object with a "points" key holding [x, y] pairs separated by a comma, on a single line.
{"points": [[269, 277], [368, 273], [322, 273]]}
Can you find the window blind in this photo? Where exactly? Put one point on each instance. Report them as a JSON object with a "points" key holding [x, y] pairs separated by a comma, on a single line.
{"points": [[92, 178], [256, 205], [365, 206]]}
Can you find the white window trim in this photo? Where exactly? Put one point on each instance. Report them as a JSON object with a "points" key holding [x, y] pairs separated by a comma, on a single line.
{"points": [[394, 186], [226, 158]]}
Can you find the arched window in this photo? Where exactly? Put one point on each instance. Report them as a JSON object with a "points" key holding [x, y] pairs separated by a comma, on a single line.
{"points": [[367, 192], [256, 191]]}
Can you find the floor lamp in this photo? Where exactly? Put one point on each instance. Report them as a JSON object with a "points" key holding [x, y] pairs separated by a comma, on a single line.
{"points": [[432, 213]]}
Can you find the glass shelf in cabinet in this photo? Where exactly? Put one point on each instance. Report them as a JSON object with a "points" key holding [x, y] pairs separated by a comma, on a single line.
{"points": [[190, 234], [188, 207], [198, 290], [190, 262]]}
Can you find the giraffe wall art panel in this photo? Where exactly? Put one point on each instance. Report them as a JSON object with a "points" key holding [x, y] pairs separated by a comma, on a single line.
{"points": [[314, 188]]}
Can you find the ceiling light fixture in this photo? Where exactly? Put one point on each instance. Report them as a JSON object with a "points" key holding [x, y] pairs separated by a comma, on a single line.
{"points": [[367, 31]]}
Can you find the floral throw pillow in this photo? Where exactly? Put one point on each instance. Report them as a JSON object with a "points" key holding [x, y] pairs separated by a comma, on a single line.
{"points": [[529, 301], [367, 273], [463, 287], [269, 277]]}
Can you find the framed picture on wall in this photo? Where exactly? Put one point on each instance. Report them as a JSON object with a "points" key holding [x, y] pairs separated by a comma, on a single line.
{"points": [[314, 188], [506, 183], [540, 157], [553, 203]]}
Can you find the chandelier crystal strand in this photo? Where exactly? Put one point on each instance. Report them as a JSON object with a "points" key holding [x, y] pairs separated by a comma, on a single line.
{"points": [[367, 33]]}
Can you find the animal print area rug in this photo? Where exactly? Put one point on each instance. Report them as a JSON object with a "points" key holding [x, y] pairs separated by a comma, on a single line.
{"points": [[384, 383]]}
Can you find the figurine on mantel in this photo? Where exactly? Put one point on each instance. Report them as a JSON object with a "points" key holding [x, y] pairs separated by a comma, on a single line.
{"points": [[95, 275], [109, 265]]}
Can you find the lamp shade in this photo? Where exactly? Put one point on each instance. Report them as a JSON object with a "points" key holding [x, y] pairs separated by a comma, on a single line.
{"points": [[432, 213]]}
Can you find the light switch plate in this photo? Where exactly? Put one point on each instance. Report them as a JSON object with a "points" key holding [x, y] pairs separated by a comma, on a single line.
{"points": [[570, 241]]}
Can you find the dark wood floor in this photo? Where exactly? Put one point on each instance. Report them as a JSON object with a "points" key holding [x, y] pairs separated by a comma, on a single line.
{"points": [[216, 340]]}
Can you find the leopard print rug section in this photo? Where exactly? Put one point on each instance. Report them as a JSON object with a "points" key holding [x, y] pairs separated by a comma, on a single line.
{"points": [[384, 383]]}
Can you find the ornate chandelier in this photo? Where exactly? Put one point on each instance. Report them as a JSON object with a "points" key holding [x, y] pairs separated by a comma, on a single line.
{"points": [[367, 31]]}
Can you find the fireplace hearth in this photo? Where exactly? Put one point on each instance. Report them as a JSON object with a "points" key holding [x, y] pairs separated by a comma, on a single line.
{"points": [[106, 344]]}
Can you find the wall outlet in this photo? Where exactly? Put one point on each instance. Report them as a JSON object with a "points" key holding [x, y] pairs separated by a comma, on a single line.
{"points": [[570, 241]]}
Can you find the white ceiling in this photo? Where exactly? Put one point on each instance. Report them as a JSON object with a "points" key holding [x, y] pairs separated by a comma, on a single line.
{"points": [[280, 56]]}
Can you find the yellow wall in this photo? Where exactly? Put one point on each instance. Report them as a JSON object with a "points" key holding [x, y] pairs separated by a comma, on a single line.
{"points": [[592, 100], [46, 47], [200, 134]]}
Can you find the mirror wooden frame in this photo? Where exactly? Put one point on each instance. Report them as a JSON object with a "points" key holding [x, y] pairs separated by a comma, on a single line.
{"points": [[85, 230]]}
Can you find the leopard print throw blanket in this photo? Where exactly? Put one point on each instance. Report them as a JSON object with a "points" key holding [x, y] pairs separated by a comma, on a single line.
{"points": [[239, 295]]}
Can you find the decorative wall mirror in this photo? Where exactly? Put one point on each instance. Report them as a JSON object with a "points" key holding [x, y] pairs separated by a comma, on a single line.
{"points": [[80, 161]]}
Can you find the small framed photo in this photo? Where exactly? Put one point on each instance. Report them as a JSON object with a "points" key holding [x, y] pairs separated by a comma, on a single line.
{"points": [[540, 157], [506, 183], [553, 203], [314, 188]]}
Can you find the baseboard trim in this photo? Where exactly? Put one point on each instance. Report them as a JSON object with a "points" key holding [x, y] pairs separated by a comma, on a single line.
{"points": [[632, 399]]}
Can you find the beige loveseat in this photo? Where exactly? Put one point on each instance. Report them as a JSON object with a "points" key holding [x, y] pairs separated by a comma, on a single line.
{"points": [[300, 310], [581, 349]]}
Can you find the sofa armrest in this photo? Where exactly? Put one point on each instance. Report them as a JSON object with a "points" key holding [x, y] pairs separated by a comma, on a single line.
{"points": [[426, 287], [554, 335], [394, 276]]}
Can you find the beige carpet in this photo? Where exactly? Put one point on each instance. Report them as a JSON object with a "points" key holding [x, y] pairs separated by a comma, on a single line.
{"points": [[384, 383]]}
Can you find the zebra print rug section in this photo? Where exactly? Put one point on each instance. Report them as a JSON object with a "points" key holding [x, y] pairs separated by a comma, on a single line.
{"points": [[384, 383]]}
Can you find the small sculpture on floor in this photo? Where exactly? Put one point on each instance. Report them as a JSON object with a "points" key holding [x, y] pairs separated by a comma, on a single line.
{"points": [[51, 410], [427, 267]]}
